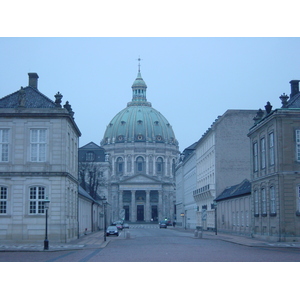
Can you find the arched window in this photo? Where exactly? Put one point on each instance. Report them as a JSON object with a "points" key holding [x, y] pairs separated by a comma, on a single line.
{"points": [[140, 165], [173, 167], [120, 165], [159, 166]]}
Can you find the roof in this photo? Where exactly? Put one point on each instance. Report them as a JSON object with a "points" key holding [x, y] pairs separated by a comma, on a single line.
{"points": [[84, 193], [139, 121], [294, 102], [234, 191], [27, 97], [91, 145]]}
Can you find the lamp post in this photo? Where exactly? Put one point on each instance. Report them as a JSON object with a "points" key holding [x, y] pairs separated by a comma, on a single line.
{"points": [[216, 220], [46, 206], [104, 213]]}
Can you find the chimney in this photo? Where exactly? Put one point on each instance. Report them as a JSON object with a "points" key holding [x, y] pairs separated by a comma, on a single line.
{"points": [[33, 80], [294, 87]]}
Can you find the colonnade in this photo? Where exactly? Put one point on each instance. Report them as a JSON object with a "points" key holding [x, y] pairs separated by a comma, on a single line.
{"points": [[141, 208]]}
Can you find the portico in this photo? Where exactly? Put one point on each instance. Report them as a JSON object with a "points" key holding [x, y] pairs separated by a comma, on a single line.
{"points": [[141, 205]]}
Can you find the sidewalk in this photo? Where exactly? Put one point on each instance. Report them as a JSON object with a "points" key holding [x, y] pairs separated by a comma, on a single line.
{"points": [[247, 241], [93, 240]]}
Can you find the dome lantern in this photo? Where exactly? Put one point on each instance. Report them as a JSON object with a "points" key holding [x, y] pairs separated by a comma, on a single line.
{"points": [[139, 88]]}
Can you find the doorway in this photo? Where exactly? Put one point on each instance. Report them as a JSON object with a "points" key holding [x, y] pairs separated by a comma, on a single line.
{"points": [[140, 213], [154, 213]]}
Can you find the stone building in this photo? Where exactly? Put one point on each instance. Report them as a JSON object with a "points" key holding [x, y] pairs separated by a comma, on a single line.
{"points": [[275, 169], [90, 213], [186, 207], [233, 210], [94, 177], [142, 150], [38, 161], [222, 160]]}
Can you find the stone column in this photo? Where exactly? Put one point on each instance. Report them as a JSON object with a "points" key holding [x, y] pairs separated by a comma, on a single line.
{"points": [[147, 165], [160, 207], [133, 207], [148, 208], [120, 203]]}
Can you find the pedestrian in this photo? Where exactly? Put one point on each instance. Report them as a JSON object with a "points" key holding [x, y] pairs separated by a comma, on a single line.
{"points": [[174, 223]]}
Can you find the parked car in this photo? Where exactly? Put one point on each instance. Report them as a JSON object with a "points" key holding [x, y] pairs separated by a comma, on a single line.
{"points": [[169, 223], [112, 230], [119, 224], [162, 224], [125, 225]]}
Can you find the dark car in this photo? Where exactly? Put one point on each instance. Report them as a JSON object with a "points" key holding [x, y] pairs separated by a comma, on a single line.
{"points": [[163, 224], [112, 230]]}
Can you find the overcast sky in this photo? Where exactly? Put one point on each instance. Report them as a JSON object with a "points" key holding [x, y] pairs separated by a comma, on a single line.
{"points": [[190, 80]]}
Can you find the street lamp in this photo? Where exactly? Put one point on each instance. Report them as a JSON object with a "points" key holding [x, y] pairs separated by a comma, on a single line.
{"points": [[216, 220], [46, 203], [104, 202]]}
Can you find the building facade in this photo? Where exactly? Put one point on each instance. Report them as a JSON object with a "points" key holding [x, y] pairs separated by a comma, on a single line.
{"points": [[233, 209], [186, 208], [38, 162], [222, 160], [275, 169], [142, 150]]}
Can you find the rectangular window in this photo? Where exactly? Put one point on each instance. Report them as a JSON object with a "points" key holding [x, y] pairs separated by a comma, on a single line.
{"points": [[255, 157], [298, 198], [263, 202], [3, 200], [140, 166], [242, 218], [38, 145], [247, 218], [4, 145], [256, 213], [272, 201], [298, 144], [37, 197], [271, 149], [263, 153]]}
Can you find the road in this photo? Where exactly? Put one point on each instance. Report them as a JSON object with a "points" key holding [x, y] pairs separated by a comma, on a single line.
{"points": [[148, 243]]}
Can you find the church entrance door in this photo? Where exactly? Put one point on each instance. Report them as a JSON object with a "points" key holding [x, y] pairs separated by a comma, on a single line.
{"points": [[140, 213]]}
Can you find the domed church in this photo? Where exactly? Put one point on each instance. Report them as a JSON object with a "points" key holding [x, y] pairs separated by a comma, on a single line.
{"points": [[142, 149]]}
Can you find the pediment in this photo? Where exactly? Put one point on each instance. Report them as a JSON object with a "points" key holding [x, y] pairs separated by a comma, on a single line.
{"points": [[140, 179]]}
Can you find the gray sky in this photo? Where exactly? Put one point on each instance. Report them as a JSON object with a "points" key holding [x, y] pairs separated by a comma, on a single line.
{"points": [[190, 80]]}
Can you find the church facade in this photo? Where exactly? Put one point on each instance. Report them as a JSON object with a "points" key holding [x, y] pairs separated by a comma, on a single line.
{"points": [[142, 149]]}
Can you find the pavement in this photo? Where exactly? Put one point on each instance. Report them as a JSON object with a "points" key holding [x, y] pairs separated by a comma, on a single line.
{"points": [[97, 240]]}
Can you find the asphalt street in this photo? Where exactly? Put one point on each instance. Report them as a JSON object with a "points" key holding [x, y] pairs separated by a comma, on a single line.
{"points": [[148, 243]]}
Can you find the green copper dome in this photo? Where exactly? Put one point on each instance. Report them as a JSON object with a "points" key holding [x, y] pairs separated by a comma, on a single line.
{"points": [[139, 121]]}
